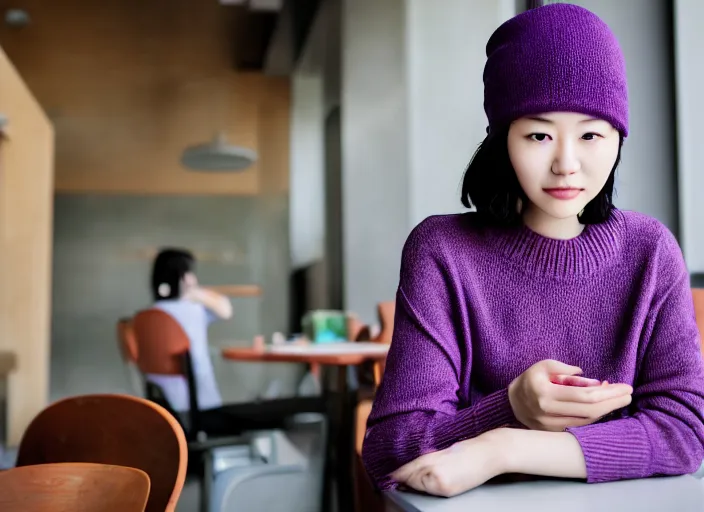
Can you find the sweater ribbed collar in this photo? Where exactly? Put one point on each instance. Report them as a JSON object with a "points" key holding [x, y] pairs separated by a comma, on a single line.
{"points": [[598, 246]]}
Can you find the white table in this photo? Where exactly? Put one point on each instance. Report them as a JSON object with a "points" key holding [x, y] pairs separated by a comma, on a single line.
{"points": [[672, 494], [333, 348]]}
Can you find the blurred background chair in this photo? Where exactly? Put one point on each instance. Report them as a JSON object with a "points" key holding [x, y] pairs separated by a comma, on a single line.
{"points": [[369, 376], [219, 438], [120, 430], [163, 349], [73, 487]]}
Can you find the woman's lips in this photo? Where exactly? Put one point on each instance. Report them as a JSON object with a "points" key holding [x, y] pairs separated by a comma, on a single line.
{"points": [[563, 193]]}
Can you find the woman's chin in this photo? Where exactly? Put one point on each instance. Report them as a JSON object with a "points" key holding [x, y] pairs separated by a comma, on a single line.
{"points": [[562, 212]]}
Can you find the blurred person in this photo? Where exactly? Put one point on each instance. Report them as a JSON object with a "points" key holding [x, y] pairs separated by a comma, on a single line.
{"points": [[176, 291]]}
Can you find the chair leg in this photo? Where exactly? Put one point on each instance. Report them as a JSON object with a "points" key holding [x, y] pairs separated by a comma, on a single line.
{"points": [[206, 481]]}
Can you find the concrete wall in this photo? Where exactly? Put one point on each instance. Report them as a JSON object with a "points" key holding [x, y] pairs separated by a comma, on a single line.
{"points": [[315, 221], [445, 55], [375, 158], [411, 118], [102, 263], [647, 179], [307, 216], [690, 111]]}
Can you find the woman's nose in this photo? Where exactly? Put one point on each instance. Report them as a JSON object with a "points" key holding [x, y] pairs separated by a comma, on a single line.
{"points": [[566, 161]]}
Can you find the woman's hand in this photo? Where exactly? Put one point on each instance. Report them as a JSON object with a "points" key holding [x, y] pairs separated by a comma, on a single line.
{"points": [[541, 400], [215, 302], [469, 464], [457, 469]]}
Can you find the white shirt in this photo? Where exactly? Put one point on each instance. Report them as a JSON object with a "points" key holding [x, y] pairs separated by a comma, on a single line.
{"points": [[194, 318]]}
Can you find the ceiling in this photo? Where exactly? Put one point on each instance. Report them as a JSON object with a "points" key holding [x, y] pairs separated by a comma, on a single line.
{"points": [[259, 30]]}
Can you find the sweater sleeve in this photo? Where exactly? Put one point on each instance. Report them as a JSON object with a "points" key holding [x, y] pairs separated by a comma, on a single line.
{"points": [[663, 432], [417, 408]]}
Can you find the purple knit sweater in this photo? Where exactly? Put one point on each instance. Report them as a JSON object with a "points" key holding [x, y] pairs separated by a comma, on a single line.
{"points": [[477, 306]]}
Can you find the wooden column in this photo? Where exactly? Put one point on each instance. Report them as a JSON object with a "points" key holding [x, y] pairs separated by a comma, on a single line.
{"points": [[26, 212]]}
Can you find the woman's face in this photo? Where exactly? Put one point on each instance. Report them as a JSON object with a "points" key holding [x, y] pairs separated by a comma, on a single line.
{"points": [[562, 160]]}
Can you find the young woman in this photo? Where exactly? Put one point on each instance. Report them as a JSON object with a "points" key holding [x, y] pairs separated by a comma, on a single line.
{"points": [[547, 333], [175, 289]]}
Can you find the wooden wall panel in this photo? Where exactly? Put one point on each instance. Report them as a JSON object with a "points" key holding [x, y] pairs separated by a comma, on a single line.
{"points": [[26, 209], [128, 84]]}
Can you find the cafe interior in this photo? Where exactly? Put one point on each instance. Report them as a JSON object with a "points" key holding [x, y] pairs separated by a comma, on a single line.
{"points": [[290, 146]]}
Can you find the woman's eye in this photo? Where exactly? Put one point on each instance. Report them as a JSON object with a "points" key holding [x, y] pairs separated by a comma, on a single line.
{"points": [[590, 136], [539, 137]]}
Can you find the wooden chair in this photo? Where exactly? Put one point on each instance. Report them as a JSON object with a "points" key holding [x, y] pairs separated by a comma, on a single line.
{"points": [[375, 370], [164, 349], [385, 311], [73, 487], [366, 498], [112, 429], [161, 343]]}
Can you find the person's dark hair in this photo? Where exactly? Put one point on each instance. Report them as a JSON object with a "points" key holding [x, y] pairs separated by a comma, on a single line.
{"points": [[490, 186], [170, 266]]}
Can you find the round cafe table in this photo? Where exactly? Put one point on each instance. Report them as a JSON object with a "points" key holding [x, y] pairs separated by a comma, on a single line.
{"points": [[341, 359]]}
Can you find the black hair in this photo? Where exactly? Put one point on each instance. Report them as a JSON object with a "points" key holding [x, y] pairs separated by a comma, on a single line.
{"points": [[491, 186], [170, 265]]}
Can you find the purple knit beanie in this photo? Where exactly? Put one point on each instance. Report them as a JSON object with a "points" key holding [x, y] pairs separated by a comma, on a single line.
{"points": [[555, 58]]}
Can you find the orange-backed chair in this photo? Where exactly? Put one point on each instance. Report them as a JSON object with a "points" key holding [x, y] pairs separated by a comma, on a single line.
{"points": [[127, 345], [370, 373], [121, 430], [73, 487], [386, 312], [164, 349], [366, 498]]}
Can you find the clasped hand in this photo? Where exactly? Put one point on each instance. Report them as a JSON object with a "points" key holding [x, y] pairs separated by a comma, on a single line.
{"points": [[551, 396]]}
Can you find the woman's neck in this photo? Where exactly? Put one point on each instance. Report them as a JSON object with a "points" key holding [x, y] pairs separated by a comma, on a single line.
{"points": [[551, 227]]}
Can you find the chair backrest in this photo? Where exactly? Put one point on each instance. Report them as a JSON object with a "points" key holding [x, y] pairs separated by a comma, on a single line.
{"points": [[112, 429], [163, 348], [386, 312], [73, 487], [698, 297], [354, 326], [161, 343]]}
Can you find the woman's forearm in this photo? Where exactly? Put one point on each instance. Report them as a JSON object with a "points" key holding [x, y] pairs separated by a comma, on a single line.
{"points": [[217, 303], [535, 452]]}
